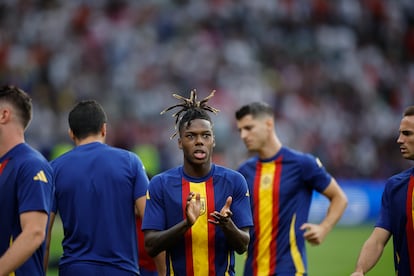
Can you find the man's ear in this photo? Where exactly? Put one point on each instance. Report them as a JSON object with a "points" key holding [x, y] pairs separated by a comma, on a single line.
{"points": [[103, 130], [5, 115], [71, 135], [180, 144], [270, 123]]}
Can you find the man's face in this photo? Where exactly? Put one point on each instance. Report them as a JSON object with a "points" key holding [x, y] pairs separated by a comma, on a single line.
{"points": [[254, 131], [406, 137], [197, 141]]}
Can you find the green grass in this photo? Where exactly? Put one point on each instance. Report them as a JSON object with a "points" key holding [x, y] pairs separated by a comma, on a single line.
{"points": [[335, 257]]}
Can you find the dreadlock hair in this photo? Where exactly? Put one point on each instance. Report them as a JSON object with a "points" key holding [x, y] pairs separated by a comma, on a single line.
{"points": [[190, 109]]}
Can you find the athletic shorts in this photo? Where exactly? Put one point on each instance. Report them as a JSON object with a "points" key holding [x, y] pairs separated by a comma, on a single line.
{"points": [[88, 269]]}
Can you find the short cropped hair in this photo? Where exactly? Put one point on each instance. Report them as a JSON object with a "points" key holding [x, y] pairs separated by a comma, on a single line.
{"points": [[86, 118], [409, 111], [20, 101], [256, 109]]}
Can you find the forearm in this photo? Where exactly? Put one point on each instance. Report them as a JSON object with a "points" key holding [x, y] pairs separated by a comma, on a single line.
{"points": [[238, 239], [158, 241], [335, 211], [48, 240], [159, 261], [369, 256], [21, 250]]}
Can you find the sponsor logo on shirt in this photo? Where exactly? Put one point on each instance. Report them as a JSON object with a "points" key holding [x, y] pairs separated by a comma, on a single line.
{"points": [[40, 176]]}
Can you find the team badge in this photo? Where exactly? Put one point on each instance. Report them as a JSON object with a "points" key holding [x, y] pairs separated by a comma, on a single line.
{"points": [[266, 182]]}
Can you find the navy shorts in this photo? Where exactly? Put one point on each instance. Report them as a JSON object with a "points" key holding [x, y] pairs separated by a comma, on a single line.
{"points": [[88, 269]]}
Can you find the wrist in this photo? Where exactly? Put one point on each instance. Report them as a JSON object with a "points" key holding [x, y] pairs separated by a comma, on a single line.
{"points": [[188, 223]]}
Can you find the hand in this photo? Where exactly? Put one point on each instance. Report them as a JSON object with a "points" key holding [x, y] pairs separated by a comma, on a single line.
{"points": [[222, 217], [314, 233], [357, 274], [192, 208]]}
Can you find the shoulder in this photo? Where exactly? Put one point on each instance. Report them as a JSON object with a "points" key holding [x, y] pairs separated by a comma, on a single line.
{"points": [[227, 172], [250, 162], [304, 158], [400, 179], [175, 172], [296, 154], [30, 155]]}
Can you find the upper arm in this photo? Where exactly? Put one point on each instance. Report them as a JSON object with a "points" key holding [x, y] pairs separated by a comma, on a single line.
{"points": [[333, 190], [51, 222], [35, 221], [379, 236], [140, 206]]}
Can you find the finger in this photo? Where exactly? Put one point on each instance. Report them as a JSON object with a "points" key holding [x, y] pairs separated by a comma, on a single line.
{"points": [[229, 213], [229, 200], [305, 226], [190, 196], [215, 216]]}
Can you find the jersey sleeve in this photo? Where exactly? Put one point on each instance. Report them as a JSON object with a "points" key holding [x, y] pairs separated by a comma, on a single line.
{"points": [[314, 173], [36, 186], [383, 220], [141, 177], [242, 215], [154, 214]]}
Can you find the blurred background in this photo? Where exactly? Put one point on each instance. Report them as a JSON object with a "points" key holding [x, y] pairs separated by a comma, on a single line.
{"points": [[338, 73]]}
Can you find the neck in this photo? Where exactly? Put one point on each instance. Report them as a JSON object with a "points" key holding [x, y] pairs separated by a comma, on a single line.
{"points": [[89, 139], [195, 170], [271, 148], [9, 139]]}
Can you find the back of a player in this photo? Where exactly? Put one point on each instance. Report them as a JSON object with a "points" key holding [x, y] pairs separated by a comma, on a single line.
{"points": [[96, 186]]}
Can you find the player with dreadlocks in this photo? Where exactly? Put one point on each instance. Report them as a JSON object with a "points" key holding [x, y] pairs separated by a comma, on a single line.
{"points": [[181, 214]]}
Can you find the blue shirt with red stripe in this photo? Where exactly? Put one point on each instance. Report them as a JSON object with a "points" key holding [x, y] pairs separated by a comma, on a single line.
{"points": [[396, 216], [26, 184], [277, 246], [165, 208]]}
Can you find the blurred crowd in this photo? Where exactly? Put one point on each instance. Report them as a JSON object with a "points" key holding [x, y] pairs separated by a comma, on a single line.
{"points": [[339, 73]]}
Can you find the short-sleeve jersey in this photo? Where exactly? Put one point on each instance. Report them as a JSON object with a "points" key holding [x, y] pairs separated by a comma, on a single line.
{"points": [[96, 187], [396, 216], [203, 249], [281, 192], [26, 184]]}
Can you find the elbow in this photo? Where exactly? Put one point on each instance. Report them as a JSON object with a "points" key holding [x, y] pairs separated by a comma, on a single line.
{"points": [[345, 201], [38, 236], [241, 250], [151, 248], [152, 252]]}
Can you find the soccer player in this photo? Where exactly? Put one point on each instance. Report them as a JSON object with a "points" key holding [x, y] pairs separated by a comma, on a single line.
{"points": [[26, 189], [99, 190], [281, 181], [181, 214], [397, 212]]}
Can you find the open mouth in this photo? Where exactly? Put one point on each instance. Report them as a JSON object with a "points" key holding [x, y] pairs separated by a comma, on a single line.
{"points": [[199, 154]]}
